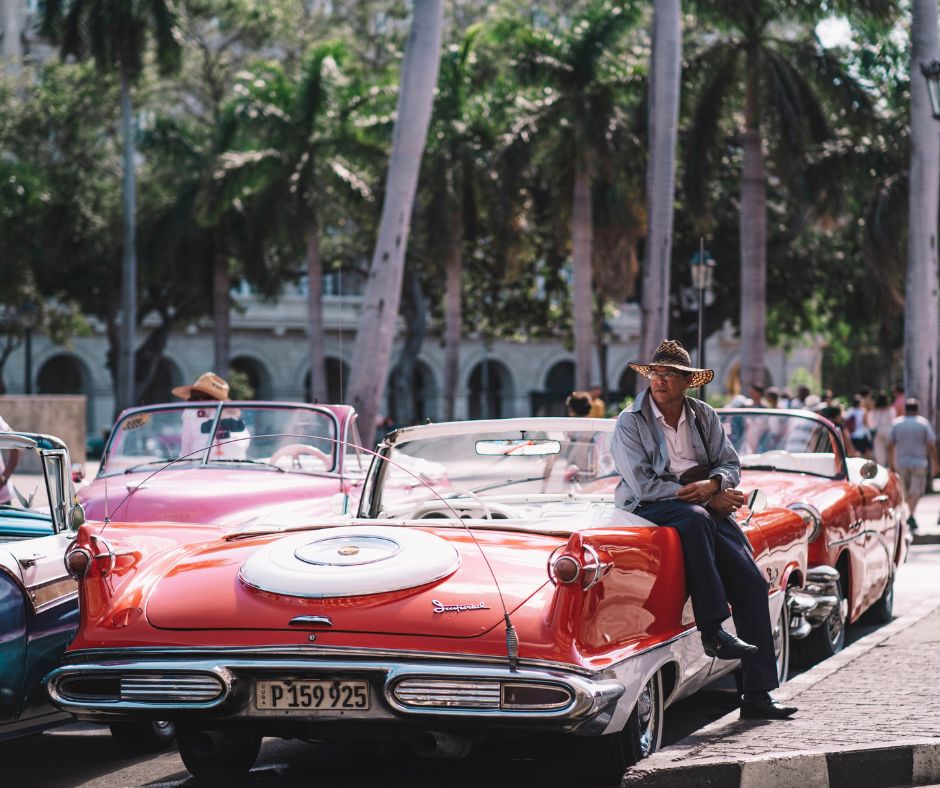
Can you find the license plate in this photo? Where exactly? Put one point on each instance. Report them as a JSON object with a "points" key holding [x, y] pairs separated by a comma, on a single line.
{"points": [[313, 695]]}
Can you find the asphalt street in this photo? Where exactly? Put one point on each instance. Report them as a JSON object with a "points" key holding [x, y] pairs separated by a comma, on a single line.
{"points": [[84, 755]]}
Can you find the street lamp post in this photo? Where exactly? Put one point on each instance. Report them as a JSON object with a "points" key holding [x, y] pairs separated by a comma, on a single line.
{"points": [[27, 315], [702, 266], [931, 71]]}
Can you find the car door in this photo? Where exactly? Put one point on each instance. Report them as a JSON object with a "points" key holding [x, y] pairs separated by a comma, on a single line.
{"points": [[50, 615], [879, 547]]}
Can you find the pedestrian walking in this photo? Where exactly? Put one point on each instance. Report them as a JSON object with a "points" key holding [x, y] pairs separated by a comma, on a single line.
{"points": [[913, 454], [880, 420], [7, 468], [856, 422], [898, 402]]}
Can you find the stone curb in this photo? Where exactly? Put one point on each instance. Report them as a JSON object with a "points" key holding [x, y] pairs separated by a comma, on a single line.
{"points": [[899, 763]]}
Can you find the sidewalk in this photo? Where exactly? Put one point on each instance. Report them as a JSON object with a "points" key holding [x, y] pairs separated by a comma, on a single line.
{"points": [[869, 716]]}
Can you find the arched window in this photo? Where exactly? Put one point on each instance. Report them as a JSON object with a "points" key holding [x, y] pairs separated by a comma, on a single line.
{"points": [[337, 381], [559, 383], [62, 374], [490, 391], [422, 404], [167, 376], [259, 380]]}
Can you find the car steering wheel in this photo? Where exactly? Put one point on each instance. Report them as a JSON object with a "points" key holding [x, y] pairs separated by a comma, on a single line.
{"points": [[413, 514], [296, 450]]}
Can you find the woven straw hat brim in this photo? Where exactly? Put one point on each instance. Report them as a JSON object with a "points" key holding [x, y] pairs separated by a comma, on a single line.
{"points": [[697, 377]]}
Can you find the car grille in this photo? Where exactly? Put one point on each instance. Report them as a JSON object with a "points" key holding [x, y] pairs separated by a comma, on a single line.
{"points": [[448, 694]]}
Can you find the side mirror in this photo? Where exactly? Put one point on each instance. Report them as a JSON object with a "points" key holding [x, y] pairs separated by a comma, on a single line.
{"points": [[756, 503], [78, 472], [869, 470], [76, 517]]}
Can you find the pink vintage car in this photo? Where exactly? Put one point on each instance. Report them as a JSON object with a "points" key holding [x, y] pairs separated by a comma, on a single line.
{"points": [[220, 462]]}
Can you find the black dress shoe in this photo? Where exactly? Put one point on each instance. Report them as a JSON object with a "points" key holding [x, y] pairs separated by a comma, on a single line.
{"points": [[760, 706], [724, 645]]}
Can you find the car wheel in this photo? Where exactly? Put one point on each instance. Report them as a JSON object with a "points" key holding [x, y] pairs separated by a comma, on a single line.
{"points": [[218, 755], [143, 737], [640, 737], [883, 610], [781, 633], [829, 637]]}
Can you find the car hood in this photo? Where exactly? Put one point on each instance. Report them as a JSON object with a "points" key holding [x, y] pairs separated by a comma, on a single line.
{"points": [[784, 488], [207, 494], [363, 577]]}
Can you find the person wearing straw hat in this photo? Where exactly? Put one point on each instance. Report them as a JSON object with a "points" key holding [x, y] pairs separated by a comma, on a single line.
{"points": [[208, 387], [679, 470]]}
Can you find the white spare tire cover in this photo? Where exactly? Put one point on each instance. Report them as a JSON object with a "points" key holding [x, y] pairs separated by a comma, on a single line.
{"points": [[350, 561]]}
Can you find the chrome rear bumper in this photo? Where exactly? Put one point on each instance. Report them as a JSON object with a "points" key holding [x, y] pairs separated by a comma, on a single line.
{"points": [[221, 688]]}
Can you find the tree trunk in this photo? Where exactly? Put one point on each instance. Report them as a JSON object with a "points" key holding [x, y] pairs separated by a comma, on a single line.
{"points": [[414, 310], [126, 392], [753, 218], [665, 79], [453, 308], [318, 386], [382, 296], [582, 239], [221, 314], [920, 313]]}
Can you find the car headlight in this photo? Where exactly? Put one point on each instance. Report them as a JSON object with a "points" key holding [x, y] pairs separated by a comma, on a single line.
{"points": [[811, 516]]}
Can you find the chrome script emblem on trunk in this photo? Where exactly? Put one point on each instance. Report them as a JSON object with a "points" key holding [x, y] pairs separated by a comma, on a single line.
{"points": [[440, 607]]}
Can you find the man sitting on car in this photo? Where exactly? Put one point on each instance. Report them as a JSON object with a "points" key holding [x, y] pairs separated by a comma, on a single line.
{"points": [[679, 470]]}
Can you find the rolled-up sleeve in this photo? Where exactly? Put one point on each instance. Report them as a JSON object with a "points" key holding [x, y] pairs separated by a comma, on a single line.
{"points": [[634, 464]]}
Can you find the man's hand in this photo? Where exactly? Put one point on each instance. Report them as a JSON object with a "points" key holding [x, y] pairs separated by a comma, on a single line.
{"points": [[698, 492], [724, 503]]}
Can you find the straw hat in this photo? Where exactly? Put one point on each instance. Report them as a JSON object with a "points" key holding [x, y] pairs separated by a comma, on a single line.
{"points": [[670, 353], [208, 383]]}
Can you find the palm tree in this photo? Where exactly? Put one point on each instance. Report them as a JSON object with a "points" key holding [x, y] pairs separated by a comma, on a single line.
{"points": [[459, 155], [376, 331], [300, 130], [575, 114], [115, 34], [665, 80], [782, 88], [920, 315]]}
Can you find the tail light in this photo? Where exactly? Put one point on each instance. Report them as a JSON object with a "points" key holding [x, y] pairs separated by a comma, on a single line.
{"points": [[77, 561], [566, 569]]}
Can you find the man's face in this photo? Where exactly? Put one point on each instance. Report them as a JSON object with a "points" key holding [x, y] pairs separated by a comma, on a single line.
{"points": [[667, 385]]}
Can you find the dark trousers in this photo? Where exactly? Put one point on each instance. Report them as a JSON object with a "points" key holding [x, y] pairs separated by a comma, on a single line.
{"points": [[719, 569]]}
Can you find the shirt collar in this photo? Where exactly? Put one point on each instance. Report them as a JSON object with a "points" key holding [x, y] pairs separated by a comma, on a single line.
{"points": [[658, 414]]}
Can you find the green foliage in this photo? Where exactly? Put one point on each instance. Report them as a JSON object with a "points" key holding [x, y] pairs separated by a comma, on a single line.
{"points": [[239, 385]]}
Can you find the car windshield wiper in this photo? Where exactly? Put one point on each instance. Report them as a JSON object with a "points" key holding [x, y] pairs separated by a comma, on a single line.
{"points": [[278, 468], [167, 461], [507, 483], [750, 467]]}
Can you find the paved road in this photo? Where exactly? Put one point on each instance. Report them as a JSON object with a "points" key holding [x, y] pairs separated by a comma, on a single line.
{"points": [[84, 755]]}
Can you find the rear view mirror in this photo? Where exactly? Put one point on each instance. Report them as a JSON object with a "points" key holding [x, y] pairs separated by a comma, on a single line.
{"points": [[869, 470], [78, 472], [76, 517], [756, 503], [517, 448]]}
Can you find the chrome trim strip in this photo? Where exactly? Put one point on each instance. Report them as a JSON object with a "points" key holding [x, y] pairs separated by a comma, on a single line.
{"points": [[859, 535], [589, 696], [299, 621]]}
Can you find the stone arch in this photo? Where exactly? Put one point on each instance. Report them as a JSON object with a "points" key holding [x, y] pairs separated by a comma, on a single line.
{"points": [[64, 373], [257, 372], [489, 390], [167, 376], [424, 395], [337, 381], [558, 384]]}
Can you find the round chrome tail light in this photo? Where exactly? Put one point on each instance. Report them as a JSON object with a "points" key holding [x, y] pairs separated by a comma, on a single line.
{"points": [[565, 569], [77, 560]]}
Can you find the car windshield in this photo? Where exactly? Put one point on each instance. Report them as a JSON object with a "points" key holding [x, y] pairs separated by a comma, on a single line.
{"points": [[246, 436], [497, 466], [781, 441]]}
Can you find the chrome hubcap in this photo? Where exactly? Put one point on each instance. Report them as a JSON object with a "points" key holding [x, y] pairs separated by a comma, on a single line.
{"points": [[646, 712]]}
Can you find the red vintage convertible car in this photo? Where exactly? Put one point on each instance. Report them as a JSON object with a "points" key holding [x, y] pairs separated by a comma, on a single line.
{"points": [[486, 587], [210, 462], [854, 508]]}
